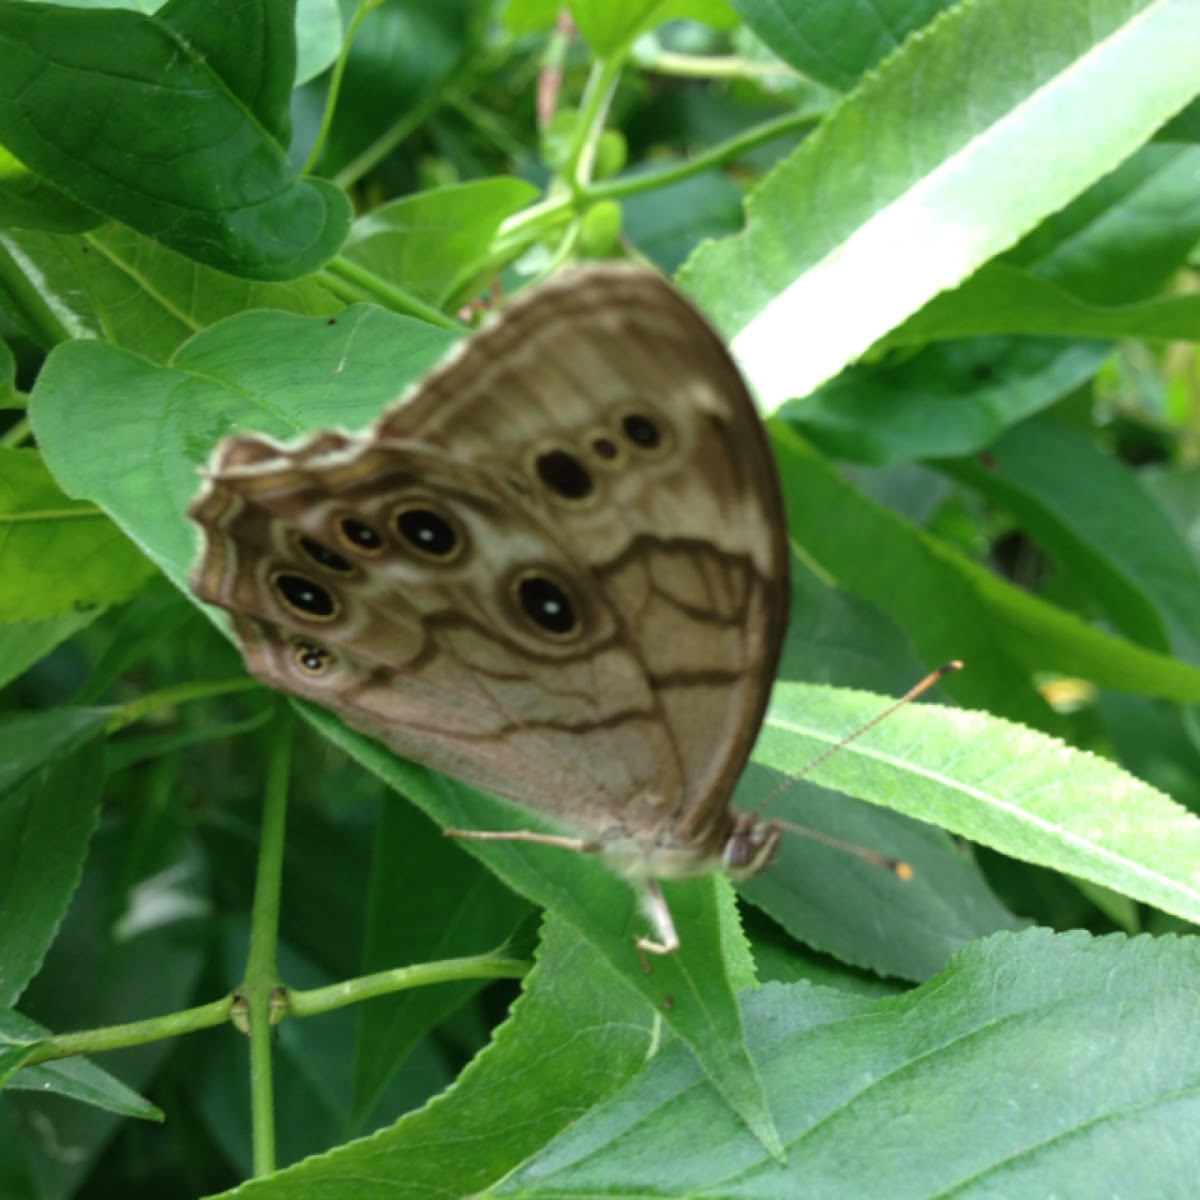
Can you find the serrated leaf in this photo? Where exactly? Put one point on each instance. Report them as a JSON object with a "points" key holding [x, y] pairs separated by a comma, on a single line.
{"points": [[45, 827], [891, 201], [987, 1058], [999, 784], [75, 1078], [31, 741]]}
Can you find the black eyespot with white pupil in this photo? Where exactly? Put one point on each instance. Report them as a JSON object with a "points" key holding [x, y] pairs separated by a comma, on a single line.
{"points": [[361, 535], [546, 604], [304, 596], [430, 533], [641, 432], [323, 556], [311, 658]]}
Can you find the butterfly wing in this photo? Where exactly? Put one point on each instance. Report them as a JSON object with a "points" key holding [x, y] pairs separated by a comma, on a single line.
{"points": [[556, 570]]}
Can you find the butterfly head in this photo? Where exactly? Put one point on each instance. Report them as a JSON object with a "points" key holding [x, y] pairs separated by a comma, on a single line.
{"points": [[749, 846]]}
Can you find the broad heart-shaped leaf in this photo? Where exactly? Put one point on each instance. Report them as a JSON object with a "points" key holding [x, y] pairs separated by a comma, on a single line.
{"points": [[575, 1035], [150, 120], [1035, 1065], [976, 129], [97, 410], [1005, 786], [125, 288], [75, 1078]]}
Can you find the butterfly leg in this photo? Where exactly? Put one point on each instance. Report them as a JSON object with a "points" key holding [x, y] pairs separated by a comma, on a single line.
{"points": [[580, 845], [654, 905]]}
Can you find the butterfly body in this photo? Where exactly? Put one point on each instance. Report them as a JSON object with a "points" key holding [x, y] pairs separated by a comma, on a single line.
{"points": [[556, 569]]}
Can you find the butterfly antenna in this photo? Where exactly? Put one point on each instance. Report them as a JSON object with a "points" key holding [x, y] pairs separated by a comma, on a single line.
{"points": [[896, 866]]}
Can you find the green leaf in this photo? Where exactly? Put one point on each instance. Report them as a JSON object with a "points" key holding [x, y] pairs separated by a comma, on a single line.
{"points": [[31, 741], [75, 1078], [27, 202], [611, 25], [572, 1038], [45, 828], [119, 286], [57, 557], [942, 402], [836, 43], [167, 124], [1011, 1027], [435, 242], [889, 202], [832, 901], [22, 643], [454, 907], [1015, 790], [823, 896], [93, 403], [1000, 299], [953, 608], [702, 977], [404, 56], [1090, 514]]}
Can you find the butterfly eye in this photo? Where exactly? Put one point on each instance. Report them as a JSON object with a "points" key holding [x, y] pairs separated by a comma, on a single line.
{"points": [[312, 659], [360, 535], [305, 597], [564, 475], [322, 555], [546, 603], [433, 535]]}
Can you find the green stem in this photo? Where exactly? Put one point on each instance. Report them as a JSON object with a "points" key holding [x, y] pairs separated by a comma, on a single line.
{"points": [[90, 511], [593, 108], [18, 432], [338, 273], [534, 222], [382, 983], [716, 66], [181, 693], [629, 185], [335, 88], [135, 1033], [260, 987]]}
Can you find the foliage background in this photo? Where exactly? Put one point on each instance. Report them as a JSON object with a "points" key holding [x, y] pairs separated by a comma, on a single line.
{"points": [[952, 247]]}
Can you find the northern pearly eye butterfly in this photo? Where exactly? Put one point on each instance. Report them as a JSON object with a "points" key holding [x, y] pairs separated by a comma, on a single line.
{"points": [[555, 569]]}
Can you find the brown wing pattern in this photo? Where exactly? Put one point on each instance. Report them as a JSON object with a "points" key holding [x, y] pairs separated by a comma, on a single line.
{"points": [[556, 570]]}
